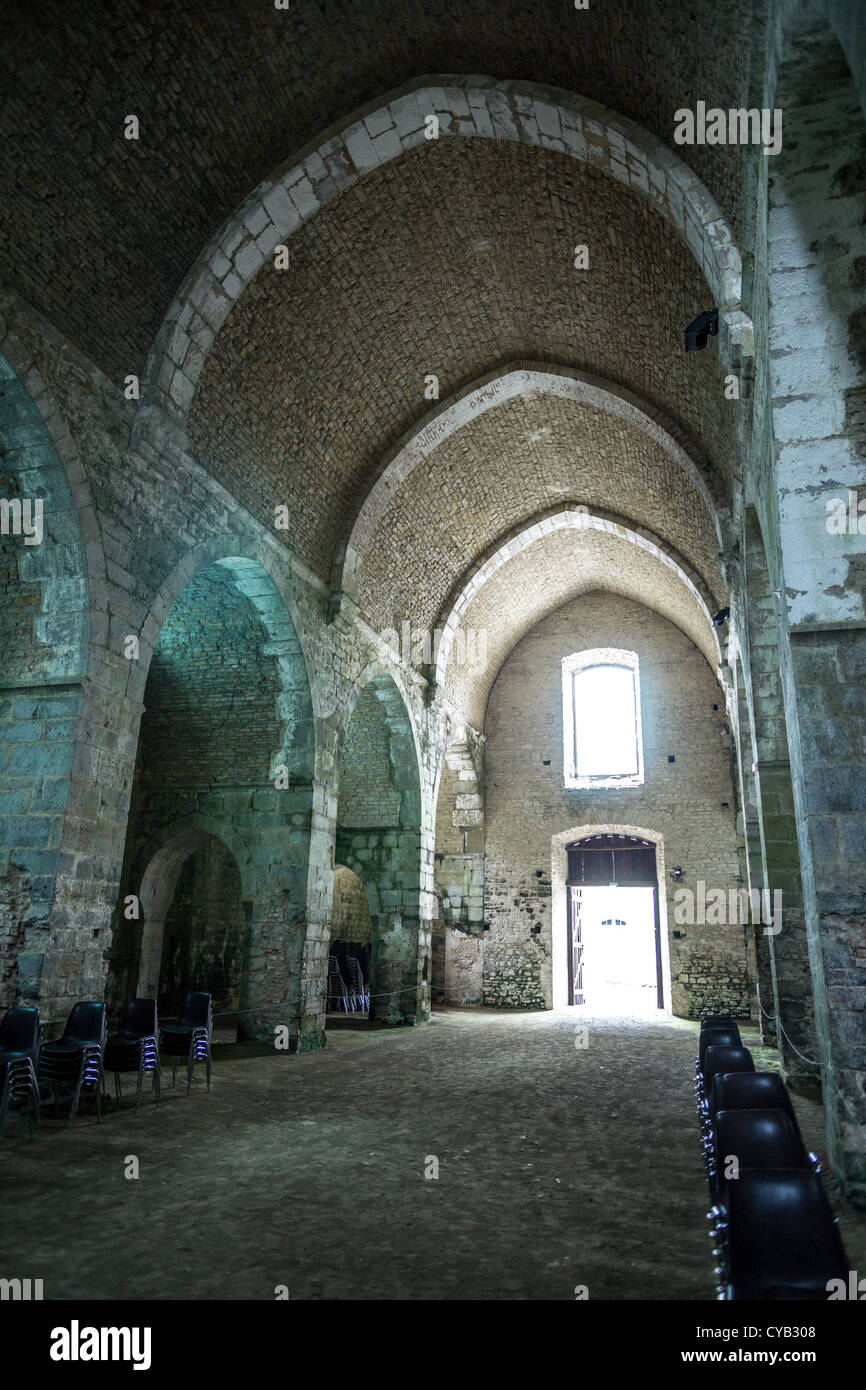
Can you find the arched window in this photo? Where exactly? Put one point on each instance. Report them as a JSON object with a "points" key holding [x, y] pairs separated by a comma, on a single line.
{"points": [[601, 719]]}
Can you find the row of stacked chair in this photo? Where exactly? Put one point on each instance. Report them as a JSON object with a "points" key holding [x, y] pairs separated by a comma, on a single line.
{"points": [[352, 996], [80, 1057], [774, 1233]]}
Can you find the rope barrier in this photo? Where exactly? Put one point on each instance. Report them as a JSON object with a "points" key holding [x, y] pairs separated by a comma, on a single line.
{"points": [[810, 1061]]}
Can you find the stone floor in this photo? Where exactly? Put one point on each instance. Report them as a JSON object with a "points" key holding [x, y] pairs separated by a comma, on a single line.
{"points": [[558, 1167]]}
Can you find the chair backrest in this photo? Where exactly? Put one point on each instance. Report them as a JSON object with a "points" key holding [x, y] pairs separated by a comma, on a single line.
{"points": [[19, 1031], [757, 1139], [196, 1010], [782, 1239], [139, 1018], [335, 979], [718, 1021], [86, 1023], [718, 1060], [756, 1090], [718, 1037]]}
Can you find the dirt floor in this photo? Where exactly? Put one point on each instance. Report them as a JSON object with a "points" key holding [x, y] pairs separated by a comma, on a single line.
{"points": [[557, 1166]]}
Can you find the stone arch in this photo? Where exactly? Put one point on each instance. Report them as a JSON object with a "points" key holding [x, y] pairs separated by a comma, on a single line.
{"points": [[167, 855], [469, 107], [262, 733], [386, 682], [382, 838], [558, 878], [259, 574], [491, 391], [565, 520], [514, 379]]}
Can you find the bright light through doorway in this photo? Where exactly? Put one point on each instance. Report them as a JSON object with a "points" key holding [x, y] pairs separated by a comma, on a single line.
{"points": [[619, 951]]}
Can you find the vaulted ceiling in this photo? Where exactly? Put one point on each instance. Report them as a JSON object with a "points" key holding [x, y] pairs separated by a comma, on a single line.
{"points": [[98, 231], [454, 260]]}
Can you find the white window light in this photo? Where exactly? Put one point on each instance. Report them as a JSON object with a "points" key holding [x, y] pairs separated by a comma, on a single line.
{"points": [[603, 746]]}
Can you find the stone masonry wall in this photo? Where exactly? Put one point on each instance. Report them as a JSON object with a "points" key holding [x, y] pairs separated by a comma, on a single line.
{"points": [[689, 803]]}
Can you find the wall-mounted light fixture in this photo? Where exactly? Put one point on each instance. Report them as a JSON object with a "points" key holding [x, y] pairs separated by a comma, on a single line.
{"points": [[704, 326]]}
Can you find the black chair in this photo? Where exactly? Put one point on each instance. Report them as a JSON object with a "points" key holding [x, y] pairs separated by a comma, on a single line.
{"points": [[718, 1021], [779, 1240], [189, 1036], [20, 1041], [755, 1139], [717, 1037], [755, 1090], [134, 1048], [76, 1057], [717, 1061]]}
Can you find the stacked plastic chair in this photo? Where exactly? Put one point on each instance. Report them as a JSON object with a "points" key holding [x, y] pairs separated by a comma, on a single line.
{"points": [[773, 1230], [338, 993], [134, 1047], [189, 1036], [360, 992], [20, 1042], [76, 1057]]}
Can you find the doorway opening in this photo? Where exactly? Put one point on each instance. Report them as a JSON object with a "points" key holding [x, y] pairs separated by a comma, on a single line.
{"points": [[613, 956]]}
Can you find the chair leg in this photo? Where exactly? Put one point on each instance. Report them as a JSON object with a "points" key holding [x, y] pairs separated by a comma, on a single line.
{"points": [[33, 1114], [4, 1100], [174, 1071], [73, 1112], [190, 1064], [207, 1062], [140, 1076]]}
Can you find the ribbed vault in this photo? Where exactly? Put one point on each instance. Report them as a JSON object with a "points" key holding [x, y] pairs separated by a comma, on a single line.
{"points": [[461, 256], [503, 469], [545, 571]]}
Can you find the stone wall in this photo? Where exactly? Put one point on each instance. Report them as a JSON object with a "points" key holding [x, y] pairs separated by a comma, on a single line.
{"points": [[350, 919], [688, 804]]}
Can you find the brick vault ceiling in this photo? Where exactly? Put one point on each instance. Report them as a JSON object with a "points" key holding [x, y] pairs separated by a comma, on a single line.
{"points": [[529, 456], [452, 260], [98, 232], [555, 570]]}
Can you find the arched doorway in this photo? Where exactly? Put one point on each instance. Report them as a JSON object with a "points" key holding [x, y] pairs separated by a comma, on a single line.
{"points": [[350, 947], [613, 953], [225, 755], [195, 923], [379, 839], [601, 873]]}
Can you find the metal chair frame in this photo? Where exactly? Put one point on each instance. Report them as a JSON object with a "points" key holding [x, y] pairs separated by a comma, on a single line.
{"points": [[199, 1048], [20, 1079]]}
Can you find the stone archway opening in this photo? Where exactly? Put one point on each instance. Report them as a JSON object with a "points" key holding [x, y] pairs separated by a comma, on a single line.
{"points": [[613, 954], [195, 928], [350, 949], [606, 888], [223, 775], [379, 837]]}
